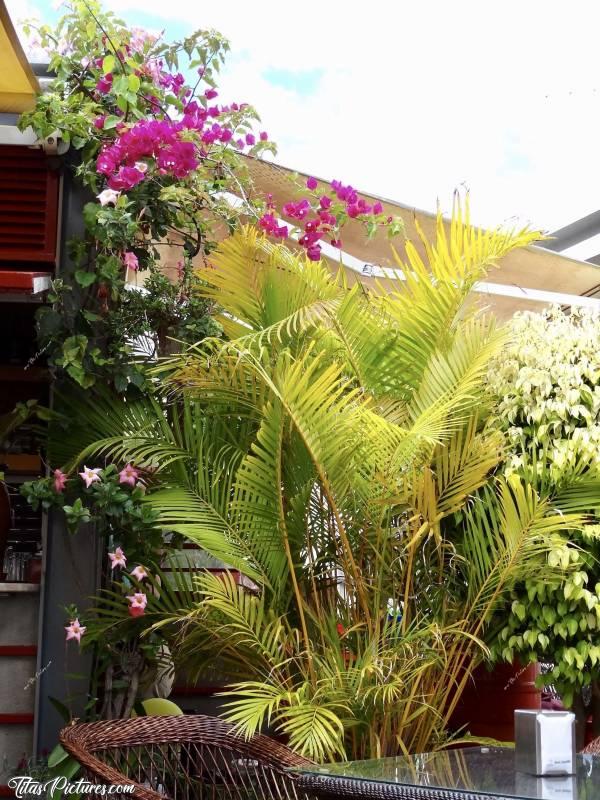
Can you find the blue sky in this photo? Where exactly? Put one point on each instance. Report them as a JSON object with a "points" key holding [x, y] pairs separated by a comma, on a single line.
{"points": [[410, 100]]}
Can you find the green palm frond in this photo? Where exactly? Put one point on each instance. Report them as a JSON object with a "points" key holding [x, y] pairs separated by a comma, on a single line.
{"points": [[510, 526], [582, 496], [246, 621], [182, 511], [256, 706], [91, 421], [265, 286], [430, 300], [314, 729]]}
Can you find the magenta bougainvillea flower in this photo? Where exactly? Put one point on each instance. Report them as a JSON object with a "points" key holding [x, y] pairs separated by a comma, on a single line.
{"points": [[139, 573], [126, 178], [75, 630], [270, 225], [118, 558], [331, 211], [104, 85], [178, 159], [59, 480], [131, 262], [129, 474], [89, 476], [314, 252], [298, 210]]}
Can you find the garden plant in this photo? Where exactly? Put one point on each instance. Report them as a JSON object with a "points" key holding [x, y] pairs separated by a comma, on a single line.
{"points": [[546, 390]]}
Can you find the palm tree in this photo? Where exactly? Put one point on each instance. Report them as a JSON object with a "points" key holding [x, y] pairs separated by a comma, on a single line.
{"points": [[331, 450]]}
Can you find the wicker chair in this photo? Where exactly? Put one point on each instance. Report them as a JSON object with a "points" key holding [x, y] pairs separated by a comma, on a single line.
{"points": [[592, 748], [183, 758]]}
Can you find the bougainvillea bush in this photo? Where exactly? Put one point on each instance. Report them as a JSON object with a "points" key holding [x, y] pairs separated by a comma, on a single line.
{"points": [[161, 155], [546, 385], [156, 154]]}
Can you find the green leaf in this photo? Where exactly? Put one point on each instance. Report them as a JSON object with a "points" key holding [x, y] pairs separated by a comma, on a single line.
{"points": [[67, 769], [61, 708], [134, 83], [111, 122], [57, 755], [121, 382], [80, 376], [108, 64], [91, 316], [84, 278], [572, 626]]}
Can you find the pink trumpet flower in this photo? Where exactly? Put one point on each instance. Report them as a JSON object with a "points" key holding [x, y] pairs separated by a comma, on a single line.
{"points": [[89, 476], [129, 474], [75, 630], [138, 599], [60, 479], [117, 559], [139, 573]]}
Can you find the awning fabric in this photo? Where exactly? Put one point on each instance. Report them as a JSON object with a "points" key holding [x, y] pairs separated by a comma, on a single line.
{"points": [[18, 84], [525, 271]]}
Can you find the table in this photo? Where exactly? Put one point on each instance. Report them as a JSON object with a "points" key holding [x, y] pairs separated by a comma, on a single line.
{"points": [[473, 773]]}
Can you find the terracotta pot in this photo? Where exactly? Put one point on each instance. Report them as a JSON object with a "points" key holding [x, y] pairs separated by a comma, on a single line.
{"points": [[490, 698]]}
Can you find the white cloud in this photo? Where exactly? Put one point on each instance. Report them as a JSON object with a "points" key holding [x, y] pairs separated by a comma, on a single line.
{"points": [[417, 98], [26, 10], [21, 9]]}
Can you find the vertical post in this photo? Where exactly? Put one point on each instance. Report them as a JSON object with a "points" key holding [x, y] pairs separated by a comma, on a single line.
{"points": [[71, 561], [72, 564]]}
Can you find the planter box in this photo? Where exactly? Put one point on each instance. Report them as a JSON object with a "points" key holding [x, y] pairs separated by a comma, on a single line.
{"points": [[490, 699]]}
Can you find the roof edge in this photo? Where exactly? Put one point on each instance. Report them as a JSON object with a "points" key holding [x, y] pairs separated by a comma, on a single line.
{"points": [[13, 38]]}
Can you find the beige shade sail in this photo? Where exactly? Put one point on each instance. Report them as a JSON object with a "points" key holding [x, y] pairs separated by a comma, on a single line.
{"points": [[18, 84], [529, 268]]}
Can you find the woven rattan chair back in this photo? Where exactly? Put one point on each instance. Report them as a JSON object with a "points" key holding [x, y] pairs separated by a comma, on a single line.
{"points": [[592, 747], [183, 758]]}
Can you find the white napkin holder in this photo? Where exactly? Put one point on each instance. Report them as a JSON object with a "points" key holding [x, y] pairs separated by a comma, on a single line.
{"points": [[545, 742]]}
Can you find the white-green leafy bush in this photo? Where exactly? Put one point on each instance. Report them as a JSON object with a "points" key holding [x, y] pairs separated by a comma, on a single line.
{"points": [[547, 383], [545, 388]]}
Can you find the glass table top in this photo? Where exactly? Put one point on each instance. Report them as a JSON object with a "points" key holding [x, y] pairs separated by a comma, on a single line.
{"points": [[478, 770]]}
